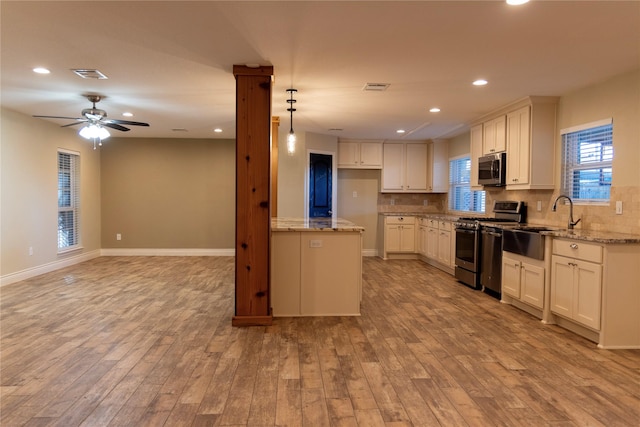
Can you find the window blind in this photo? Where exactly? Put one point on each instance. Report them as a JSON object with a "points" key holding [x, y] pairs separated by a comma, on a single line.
{"points": [[68, 200], [587, 161], [461, 198]]}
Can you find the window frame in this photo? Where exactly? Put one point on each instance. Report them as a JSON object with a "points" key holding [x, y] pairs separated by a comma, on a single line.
{"points": [[570, 165], [464, 184], [68, 201]]}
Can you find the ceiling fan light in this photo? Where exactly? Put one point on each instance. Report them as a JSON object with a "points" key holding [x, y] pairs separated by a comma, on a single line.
{"points": [[103, 133], [94, 131]]}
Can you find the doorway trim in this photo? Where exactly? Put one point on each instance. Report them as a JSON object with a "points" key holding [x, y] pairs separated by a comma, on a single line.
{"points": [[334, 181]]}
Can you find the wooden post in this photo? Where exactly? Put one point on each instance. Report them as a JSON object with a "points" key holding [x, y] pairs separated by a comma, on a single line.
{"points": [[253, 218]]}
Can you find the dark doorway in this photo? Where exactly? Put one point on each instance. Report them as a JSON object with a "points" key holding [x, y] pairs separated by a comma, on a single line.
{"points": [[320, 185]]}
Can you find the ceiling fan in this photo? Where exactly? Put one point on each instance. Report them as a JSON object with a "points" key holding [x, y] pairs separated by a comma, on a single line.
{"points": [[97, 117]]}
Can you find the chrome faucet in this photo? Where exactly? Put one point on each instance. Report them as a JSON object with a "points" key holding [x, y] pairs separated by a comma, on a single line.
{"points": [[571, 221]]}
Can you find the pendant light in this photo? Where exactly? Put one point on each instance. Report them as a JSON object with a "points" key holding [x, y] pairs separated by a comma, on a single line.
{"points": [[291, 138]]}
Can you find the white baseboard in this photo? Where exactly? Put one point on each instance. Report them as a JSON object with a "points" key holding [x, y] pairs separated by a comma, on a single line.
{"points": [[167, 252], [369, 252], [48, 267]]}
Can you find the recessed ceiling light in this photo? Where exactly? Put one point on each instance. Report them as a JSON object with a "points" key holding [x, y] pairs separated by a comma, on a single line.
{"points": [[179, 130], [480, 82], [517, 2], [217, 130], [435, 110], [127, 114], [41, 70], [400, 131]]}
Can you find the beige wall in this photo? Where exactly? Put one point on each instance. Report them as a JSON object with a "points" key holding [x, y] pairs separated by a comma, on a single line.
{"points": [[29, 205], [362, 209], [168, 193]]}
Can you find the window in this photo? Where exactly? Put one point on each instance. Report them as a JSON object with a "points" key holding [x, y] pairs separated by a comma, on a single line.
{"points": [[587, 154], [68, 200], [461, 198]]}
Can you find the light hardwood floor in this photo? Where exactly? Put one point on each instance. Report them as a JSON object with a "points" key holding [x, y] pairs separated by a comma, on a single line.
{"points": [[148, 341]]}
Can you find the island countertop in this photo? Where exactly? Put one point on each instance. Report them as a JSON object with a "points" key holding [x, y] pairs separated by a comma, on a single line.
{"points": [[313, 224]]}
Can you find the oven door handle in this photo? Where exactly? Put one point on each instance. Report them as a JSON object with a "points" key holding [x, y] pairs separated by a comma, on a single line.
{"points": [[491, 233], [465, 230]]}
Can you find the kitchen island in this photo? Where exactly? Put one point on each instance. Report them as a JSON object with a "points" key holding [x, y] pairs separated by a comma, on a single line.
{"points": [[316, 267]]}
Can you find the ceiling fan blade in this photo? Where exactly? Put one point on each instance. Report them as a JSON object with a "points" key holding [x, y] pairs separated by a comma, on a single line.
{"points": [[73, 124], [125, 122], [59, 117], [115, 126]]}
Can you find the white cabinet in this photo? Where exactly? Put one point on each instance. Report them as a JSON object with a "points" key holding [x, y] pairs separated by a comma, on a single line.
{"points": [[422, 238], [576, 282], [444, 243], [439, 245], [518, 128], [594, 290], [360, 154], [476, 153], [530, 145], [404, 168], [526, 130], [432, 243], [399, 235], [438, 159], [494, 135], [523, 279]]}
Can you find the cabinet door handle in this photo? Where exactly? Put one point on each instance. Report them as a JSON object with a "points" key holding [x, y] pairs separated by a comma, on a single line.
{"points": [[573, 246]]}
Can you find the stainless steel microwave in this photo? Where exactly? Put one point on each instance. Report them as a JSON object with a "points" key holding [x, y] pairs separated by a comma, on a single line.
{"points": [[492, 170]]}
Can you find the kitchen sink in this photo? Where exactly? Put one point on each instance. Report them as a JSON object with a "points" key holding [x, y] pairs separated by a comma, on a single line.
{"points": [[525, 240]]}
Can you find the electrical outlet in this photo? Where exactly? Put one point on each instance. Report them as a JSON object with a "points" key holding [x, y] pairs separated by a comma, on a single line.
{"points": [[539, 205], [425, 202], [118, 236], [30, 250], [315, 243], [393, 202], [355, 194], [619, 207]]}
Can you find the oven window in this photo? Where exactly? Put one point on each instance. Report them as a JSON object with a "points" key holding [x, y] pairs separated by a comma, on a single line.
{"points": [[466, 245]]}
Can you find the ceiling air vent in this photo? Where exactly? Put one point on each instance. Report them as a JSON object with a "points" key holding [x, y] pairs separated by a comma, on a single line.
{"points": [[376, 87], [90, 74]]}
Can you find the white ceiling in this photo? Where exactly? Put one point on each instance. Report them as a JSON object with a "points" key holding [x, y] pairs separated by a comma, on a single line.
{"points": [[170, 62]]}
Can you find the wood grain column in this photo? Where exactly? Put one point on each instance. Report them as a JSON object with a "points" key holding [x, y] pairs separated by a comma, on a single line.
{"points": [[253, 219]]}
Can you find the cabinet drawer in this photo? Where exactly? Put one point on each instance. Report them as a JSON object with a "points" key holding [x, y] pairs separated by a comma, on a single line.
{"points": [[444, 226], [578, 249], [400, 220], [432, 223]]}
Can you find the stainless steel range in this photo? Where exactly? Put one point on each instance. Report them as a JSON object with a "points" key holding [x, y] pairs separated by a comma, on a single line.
{"points": [[479, 245]]}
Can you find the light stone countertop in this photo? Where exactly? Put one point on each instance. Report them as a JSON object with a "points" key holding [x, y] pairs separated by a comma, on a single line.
{"points": [[606, 237], [594, 236], [313, 224]]}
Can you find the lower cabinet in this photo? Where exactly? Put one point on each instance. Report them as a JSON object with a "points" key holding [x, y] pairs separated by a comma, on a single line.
{"points": [[523, 280], [399, 235], [438, 243], [576, 290], [316, 273]]}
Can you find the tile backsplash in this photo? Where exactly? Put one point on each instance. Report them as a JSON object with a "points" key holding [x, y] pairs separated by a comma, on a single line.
{"points": [[593, 217]]}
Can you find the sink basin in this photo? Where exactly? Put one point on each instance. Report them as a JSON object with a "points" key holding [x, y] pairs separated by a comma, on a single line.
{"points": [[526, 241]]}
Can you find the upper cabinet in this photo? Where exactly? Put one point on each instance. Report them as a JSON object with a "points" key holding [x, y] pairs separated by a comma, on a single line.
{"points": [[531, 132], [495, 136], [438, 159], [415, 167], [360, 154], [526, 130], [404, 167]]}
